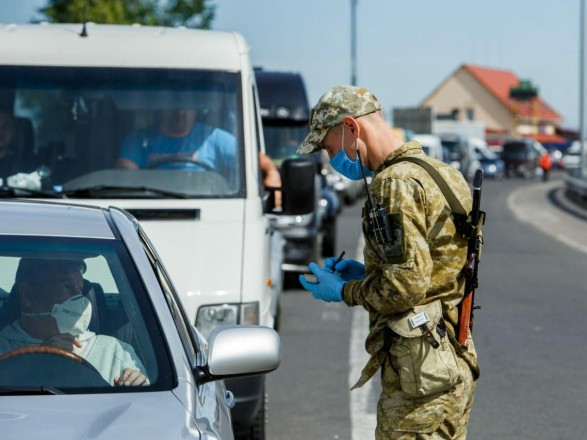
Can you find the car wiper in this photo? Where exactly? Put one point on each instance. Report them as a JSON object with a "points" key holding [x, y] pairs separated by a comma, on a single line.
{"points": [[29, 391], [97, 190], [15, 191]]}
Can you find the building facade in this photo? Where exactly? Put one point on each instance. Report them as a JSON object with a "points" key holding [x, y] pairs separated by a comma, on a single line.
{"points": [[480, 94]]}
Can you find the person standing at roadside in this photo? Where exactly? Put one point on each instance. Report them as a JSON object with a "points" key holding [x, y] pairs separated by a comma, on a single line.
{"points": [[545, 162], [412, 283]]}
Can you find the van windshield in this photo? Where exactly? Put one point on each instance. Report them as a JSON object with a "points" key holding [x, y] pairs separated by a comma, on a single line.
{"points": [[514, 150], [282, 140], [121, 132]]}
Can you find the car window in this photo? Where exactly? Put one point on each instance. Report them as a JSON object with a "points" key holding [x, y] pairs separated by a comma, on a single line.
{"points": [[57, 289]]}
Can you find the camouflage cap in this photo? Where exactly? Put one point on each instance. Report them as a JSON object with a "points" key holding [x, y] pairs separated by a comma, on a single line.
{"points": [[332, 108]]}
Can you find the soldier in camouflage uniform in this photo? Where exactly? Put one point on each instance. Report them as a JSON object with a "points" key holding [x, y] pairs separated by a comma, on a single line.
{"points": [[422, 269]]}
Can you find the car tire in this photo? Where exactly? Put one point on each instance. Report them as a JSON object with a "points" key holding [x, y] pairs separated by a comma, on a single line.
{"points": [[291, 281], [256, 431], [329, 238]]}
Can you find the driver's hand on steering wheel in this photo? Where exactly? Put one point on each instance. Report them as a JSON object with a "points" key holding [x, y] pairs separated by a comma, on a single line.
{"points": [[131, 377], [65, 340]]}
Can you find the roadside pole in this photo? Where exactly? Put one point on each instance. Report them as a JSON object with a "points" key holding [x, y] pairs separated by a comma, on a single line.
{"points": [[354, 42], [583, 162]]}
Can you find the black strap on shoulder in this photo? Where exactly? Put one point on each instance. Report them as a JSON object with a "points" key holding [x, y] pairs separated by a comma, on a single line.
{"points": [[459, 213]]}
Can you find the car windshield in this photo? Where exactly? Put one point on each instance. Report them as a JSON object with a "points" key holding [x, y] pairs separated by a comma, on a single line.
{"points": [[282, 141], [52, 290], [121, 133], [451, 150], [483, 153]]}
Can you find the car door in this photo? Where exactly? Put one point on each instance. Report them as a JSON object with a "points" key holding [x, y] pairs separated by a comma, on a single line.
{"points": [[210, 410]]}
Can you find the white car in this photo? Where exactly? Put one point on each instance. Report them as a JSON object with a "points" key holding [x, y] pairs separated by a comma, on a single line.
{"points": [[572, 156], [130, 318]]}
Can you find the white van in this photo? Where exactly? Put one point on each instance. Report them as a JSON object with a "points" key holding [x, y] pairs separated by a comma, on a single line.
{"points": [[163, 123], [431, 145]]}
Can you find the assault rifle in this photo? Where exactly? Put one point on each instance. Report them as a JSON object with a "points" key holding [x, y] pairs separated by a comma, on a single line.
{"points": [[467, 305]]}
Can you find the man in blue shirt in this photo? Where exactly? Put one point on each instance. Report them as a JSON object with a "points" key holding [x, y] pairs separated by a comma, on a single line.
{"points": [[180, 142]]}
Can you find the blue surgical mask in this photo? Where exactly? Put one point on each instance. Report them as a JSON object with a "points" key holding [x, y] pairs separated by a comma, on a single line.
{"points": [[348, 168]]}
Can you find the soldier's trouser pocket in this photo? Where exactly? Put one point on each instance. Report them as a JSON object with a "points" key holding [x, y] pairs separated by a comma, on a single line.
{"points": [[426, 360]]}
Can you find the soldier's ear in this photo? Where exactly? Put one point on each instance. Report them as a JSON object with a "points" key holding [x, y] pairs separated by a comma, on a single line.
{"points": [[352, 125]]}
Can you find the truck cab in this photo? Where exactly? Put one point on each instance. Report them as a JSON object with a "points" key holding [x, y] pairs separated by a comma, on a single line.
{"points": [[165, 124]]}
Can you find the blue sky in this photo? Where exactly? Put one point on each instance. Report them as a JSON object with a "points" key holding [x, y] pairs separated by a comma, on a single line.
{"points": [[405, 48]]}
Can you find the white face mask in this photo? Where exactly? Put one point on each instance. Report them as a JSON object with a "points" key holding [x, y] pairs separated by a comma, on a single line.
{"points": [[72, 315]]}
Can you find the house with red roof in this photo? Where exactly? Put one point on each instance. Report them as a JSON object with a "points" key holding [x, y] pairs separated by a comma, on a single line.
{"points": [[482, 94]]}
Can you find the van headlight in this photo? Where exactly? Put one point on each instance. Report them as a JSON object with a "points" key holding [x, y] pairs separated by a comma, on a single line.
{"points": [[212, 316]]}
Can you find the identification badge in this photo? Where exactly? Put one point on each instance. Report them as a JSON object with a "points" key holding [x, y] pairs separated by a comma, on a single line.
{"points": [[418, 320]]}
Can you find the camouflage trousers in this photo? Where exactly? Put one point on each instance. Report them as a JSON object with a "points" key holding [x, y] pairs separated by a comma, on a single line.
{"points": [[440, 416]]}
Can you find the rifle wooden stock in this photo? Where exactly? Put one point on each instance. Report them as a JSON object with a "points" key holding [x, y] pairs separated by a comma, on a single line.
{"points": [[465, 309]]}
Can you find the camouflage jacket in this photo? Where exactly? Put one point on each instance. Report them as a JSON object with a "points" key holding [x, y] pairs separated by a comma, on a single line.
{"points": [[425, 262]]}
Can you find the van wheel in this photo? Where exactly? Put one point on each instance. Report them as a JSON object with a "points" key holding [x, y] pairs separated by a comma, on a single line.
{"points": [[291, 281], [257, 429], [329, 238]]}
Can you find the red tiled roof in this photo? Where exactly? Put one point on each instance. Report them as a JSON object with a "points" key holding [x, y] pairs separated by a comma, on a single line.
{"points": [[544, 138], [499, 83]]}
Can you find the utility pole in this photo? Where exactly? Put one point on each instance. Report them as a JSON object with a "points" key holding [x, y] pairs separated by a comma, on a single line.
{"points": [[354, 42], [582, 82]]}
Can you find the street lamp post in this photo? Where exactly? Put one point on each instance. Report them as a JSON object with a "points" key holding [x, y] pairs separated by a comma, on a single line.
{"points": [[354, 42], [583, 161]]}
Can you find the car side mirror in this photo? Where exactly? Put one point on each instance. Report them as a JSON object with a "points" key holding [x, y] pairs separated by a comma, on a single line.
{"points": [[238, 351], [298, 185]]}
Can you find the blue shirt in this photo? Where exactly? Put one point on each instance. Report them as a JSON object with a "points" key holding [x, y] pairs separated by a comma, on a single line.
{"points": [[212, 146]]}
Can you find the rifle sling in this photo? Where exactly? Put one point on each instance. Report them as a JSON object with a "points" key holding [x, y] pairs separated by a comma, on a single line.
{"points": [[459, 213]]}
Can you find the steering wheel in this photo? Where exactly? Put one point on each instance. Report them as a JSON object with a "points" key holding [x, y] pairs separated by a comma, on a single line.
{"points": [[47, 349], [158, 163]]}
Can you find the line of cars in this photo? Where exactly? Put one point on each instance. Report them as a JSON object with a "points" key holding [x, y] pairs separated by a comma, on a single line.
{"points": [[285, 113], [466, 154], [91, 126]]}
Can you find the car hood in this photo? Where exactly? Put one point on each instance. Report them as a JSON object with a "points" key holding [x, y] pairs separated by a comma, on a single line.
{"points": [[201, 252], [96, 416]]}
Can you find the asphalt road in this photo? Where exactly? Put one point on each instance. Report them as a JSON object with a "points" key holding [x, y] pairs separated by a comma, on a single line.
{"points": [[530, 333]]}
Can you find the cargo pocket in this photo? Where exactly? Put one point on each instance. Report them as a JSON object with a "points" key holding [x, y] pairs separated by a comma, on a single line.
{"points": [[414, 416], [426, 362]]}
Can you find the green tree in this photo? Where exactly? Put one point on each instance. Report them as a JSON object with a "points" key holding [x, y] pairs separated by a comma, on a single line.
{"points": [[190, 13]]}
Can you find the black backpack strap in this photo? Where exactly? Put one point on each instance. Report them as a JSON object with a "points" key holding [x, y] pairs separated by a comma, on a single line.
{"points": [[460, 215]]}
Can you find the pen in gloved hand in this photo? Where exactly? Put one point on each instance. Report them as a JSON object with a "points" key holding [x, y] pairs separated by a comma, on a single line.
{"points": [[338, 260]]}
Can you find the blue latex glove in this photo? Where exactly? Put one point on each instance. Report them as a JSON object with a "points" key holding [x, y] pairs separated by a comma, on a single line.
{"points": [[348, 269], [329, 286]]}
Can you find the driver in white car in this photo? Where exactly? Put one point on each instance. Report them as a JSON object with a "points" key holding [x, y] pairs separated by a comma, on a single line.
{"points": [[55, 313], [179, 141]]}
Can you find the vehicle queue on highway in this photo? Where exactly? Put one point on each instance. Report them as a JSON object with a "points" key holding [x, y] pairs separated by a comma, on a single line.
{"points": [[188, 270]]}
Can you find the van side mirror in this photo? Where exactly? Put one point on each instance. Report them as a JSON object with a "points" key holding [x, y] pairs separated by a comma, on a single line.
{"points": [[298, 184]]}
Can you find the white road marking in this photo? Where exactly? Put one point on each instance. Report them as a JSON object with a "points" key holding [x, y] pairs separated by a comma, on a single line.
{"points": [[362, 400]]}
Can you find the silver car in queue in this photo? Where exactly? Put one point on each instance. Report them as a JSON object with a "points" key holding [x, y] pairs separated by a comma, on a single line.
{"points": [[48, 396]]}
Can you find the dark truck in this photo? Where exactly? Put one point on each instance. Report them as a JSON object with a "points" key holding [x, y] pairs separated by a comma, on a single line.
{"points": [[285, 113], [520, 157]]}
